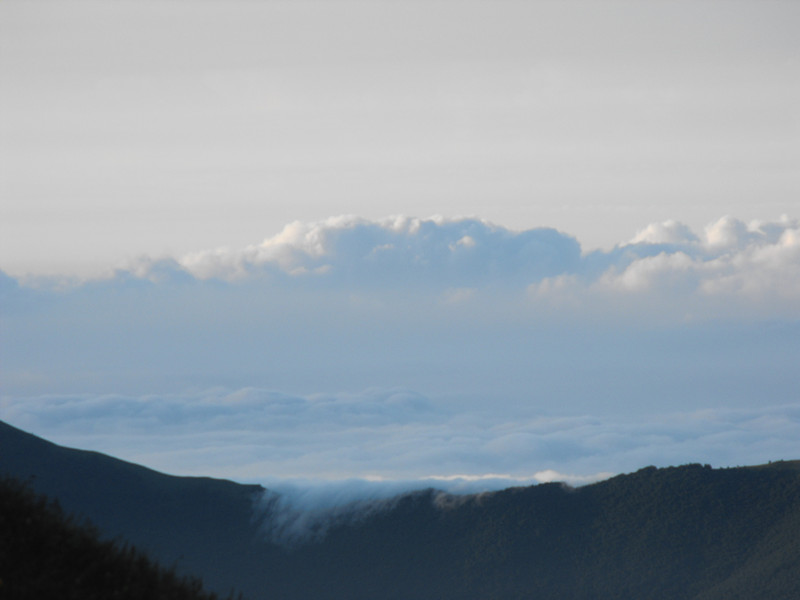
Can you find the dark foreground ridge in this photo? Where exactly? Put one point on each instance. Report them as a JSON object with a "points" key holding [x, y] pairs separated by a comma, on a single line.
{"points": [[689, 532], [47, 554]]}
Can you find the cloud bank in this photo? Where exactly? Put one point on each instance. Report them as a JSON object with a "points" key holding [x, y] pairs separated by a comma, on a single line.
{"points": [[731, 268], [460, 309], [753, 262], [409, 349], [393, 437], [756, 262], [333, 459]]}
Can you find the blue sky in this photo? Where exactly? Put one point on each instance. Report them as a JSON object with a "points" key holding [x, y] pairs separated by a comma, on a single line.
{"points": [[394, 240]]}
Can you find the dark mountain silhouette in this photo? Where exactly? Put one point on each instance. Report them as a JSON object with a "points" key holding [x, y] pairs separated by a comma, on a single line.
{"points": [[689, 532], [199, 525], [44, 553]]}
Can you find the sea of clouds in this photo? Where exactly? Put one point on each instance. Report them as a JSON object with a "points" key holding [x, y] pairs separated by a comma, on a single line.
{"points": [[413, 350], [397, 435]]}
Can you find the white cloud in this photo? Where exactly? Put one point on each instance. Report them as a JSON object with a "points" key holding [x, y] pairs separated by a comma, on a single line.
{"points": [[396, 436], [728, 233], [354, 251], [732, 267], [333, 458], [668, 232], [663, 271], [550, 475], [297, 510], [733, 261]]}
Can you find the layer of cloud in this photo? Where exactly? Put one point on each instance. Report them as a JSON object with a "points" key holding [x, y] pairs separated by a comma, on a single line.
{"points": [[376, 443], [453, 307]]}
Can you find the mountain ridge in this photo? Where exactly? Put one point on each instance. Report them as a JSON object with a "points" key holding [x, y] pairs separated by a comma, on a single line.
{"points": [[167, 516], [689, 532]]}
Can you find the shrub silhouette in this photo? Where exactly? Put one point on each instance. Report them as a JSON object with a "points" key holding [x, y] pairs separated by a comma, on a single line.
{"points": [[45, 553]]}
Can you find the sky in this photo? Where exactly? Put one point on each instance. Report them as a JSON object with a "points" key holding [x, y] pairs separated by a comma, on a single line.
{"points": [[481, 242]]}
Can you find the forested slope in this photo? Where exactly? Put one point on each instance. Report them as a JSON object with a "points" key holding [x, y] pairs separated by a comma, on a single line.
{"points": [[45, 553], [683, 532], [689, 532]]}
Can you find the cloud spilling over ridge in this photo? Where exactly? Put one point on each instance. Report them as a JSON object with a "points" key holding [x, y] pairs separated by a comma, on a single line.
{"points": [[330, 459], [297, 515], [295, 511]]}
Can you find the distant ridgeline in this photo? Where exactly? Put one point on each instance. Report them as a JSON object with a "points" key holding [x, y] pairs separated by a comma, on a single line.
{"points": [[688, 532]]}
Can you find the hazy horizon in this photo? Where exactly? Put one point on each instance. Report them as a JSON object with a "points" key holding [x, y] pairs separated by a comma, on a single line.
{"points": [[411, 348], [218, 255]]}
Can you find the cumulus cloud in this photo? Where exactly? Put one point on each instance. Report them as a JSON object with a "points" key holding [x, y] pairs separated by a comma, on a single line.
{"points": [[731, 267], [733, 270], [730, 264], [397, 251], [667, 232]]}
